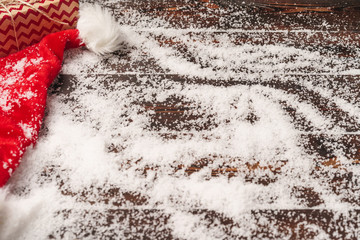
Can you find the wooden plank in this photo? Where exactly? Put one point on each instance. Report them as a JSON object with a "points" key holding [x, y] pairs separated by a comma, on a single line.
{"points": [[115, 224], [338, 176], [296, 224], [269, 224], [178, 114], [307, 3], [172, 118], [296, 52], [173, 114], [340, 44], [233, 14]]}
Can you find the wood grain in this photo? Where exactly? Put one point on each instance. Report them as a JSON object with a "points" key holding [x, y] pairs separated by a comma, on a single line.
{"points": [[330, 28], [265, 15]]}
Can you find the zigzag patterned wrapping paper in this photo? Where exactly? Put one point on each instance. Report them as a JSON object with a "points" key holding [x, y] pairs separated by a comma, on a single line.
{"points": [[31, 25]]}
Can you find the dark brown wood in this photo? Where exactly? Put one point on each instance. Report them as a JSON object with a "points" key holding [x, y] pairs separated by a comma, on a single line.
{"points": [[151, 224], [172, 112], [265, 15], [329, 27]]}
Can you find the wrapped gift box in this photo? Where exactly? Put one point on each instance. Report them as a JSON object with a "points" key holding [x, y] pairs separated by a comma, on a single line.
{"points": [[25, 22]]}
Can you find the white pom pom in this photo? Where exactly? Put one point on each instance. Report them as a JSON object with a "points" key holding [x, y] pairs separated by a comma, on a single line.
{"points": [[98, 29]]}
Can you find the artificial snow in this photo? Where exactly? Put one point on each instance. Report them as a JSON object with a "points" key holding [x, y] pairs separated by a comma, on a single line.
{"points": [[65, 176]]}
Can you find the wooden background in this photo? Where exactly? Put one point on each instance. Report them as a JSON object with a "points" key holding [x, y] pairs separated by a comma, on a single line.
{"points": [[335, 30]]}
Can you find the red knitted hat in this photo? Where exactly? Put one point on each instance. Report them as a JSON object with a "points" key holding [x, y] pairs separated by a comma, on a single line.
{"points": [[26, 75]]}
